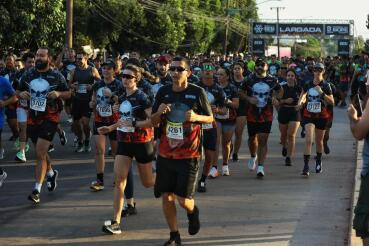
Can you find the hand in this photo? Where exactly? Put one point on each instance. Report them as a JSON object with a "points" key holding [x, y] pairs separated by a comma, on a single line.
{"points": [[352, 113], [115, 108], [92, 104], [103, 130], [253, 100], [125, 123], [298, 107], [89, 87], [2, 104], [319, 89], [164, 108], [24, 95], [53, 94], [191, 116], [107, 93], [275, 102], [288, 100]]}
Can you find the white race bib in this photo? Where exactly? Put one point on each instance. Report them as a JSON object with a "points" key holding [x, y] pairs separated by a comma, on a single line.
{"points": [[104, 111], [207, 126], [38, 104], [314, 107], [174, 130], [223, 116], [126, 129], [82, 88]]}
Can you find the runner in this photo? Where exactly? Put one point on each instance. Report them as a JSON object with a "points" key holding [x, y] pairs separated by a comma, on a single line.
{"points": [[317, 94], [22, 111], [241, 119], [104, 96], [82, 80], [135, 134], [217, 99], [262, 92], [43, 86], [288, 116], [179, 109]]}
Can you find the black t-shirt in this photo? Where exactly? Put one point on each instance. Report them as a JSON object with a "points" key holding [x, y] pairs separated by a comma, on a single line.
{"points": [[273, 68], [315, 103], [39, 85], [83, 78], [291, 92], [12, 76], [180, 139], [146, 87], [231, 92], [67, 68]]}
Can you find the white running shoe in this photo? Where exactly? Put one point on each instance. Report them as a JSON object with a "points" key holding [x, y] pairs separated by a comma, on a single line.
{"points": [[2, 151], [260, 173], [2, 178], [252, 163], [225, 170], [213, 173]]}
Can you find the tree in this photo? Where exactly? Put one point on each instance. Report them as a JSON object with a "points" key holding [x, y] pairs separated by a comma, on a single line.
{"points": [[311, 48]]}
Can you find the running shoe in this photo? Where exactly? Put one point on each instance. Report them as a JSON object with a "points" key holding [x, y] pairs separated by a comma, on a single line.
{"points": [[213, 173], [318, 166], [51, 181], [70, 120], [80, 148], [288, 162], [194, 222], [284, 152], [201, 187], [252, 163], [305, 171], [2, 151], [2, 178], [20, 156], [174, 240], [87, 148], [327, 150], [63, 138], [129, 210], [75, 142], [225, 170], [51, 148], [235, 157], [260, 173], [111, 227], [34, 197], [97, 186]]}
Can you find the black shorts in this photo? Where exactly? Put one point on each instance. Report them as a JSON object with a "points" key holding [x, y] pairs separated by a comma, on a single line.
{"points": [[46, 130], [361, 219], [81, 109], [254, 128], [142, 152], [344, 87], [329, 124], [11, 113], [288, 114], [242, 109], [177, 176], [209, 139], [319, 123], [68, 102], [112, 135]]}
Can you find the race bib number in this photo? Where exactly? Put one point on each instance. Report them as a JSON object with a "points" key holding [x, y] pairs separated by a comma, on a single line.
{"points": [[23, 102], [314, 107], [174, 130], [126, 129], [223, 116], [207, 126], [104, 111], [82, 88], [38, 104]]}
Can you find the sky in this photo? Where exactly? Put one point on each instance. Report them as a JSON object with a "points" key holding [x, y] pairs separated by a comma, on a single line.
{"points": [[356, 10]]}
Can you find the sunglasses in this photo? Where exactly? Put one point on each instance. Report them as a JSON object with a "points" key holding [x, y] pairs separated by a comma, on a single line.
{"points": [[178, 69], [284, 68], [127, 76], [260, 64], [208, 68], [318, 70]]}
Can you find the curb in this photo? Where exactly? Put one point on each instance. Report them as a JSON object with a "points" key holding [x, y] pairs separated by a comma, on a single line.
{"points": [[353, 240]]}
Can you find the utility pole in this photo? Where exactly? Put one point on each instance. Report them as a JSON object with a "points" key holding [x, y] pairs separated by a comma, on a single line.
{"points": [[278, 8], [69, 37], [226, 30]]}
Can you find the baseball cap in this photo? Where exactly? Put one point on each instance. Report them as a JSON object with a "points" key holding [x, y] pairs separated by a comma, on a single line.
{"points": [[319, 65], [163, 59], [109, 63], [260, 61]]}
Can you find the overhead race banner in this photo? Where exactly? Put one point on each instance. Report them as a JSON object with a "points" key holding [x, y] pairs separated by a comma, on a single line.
{"points": [[261, 28], [343, 47], [258, 46]]}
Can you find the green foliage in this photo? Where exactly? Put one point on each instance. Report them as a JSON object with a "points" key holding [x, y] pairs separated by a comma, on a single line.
{"points": [[311, 48]]}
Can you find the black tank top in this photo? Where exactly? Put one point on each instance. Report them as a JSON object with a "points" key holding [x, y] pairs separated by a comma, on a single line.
{"points": [[83, 77]]}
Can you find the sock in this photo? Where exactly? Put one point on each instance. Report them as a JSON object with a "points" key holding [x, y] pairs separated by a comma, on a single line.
{"points": [[174, 234], [260, 165], [253, 155], [203, 178], [319, 157], [87, 142], [50, 173], [225, 164], [306, 159], [100, 177], [38, 187]]}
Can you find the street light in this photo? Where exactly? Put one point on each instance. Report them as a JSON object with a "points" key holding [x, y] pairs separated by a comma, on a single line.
{"points": [[278, 8]]}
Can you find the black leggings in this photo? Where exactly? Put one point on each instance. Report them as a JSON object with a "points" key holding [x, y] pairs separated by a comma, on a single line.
{"points": [[128, 191]]}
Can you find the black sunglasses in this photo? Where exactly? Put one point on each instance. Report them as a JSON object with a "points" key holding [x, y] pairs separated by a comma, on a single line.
{"points": [[260, 64], [127, 76], [178, 69], [318, 70]]}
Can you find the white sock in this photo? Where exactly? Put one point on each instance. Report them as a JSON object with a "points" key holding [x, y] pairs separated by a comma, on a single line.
{"points": [[38, 187], [50, 173]]}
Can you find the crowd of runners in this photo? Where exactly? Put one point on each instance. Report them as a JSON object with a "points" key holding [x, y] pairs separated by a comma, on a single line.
{"points": [[171, 114]]}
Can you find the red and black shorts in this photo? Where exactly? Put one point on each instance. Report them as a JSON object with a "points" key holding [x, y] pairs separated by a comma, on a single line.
{"points": [[254, 128], [288, 114], [45, 130], [320, 123], [142, 152], [178, 176], [112, 135]]}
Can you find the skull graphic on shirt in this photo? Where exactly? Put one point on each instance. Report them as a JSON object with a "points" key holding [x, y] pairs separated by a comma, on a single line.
{"points": [[261, 91], [313, 95], [101, 99], [39, 88]]}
